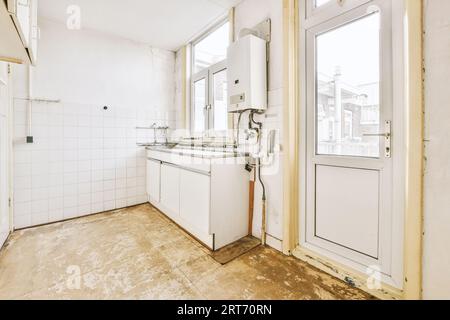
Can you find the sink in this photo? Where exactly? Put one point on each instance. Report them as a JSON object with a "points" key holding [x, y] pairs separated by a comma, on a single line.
{"points": [[158, 145]]}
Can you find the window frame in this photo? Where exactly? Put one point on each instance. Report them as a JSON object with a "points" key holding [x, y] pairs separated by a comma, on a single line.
{"points": [[316, 15], [213, 70], [208, 74], [202, 75]]}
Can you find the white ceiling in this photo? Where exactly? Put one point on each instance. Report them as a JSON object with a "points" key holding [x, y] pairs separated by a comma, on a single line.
{"points": [[166, 24]]}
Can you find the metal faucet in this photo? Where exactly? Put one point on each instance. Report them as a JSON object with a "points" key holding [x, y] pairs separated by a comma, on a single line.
{"points": [[166, 133], [155, 129]]}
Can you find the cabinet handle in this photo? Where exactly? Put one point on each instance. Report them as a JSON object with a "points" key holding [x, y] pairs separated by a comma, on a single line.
{"points": [[23, 3], [186, 169], [153, 160], [180, 167]]}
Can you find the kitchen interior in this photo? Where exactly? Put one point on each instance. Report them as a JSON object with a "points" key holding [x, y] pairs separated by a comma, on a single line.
{"points": [[145, 154]]}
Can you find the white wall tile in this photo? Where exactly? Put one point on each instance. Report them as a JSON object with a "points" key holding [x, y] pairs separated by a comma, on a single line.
{"points": [[84, 199], [70, 213], [109, 185], [121, 193], [109, 174], [55, 192], [109, 205], [56, 204], [22, 221], [70, 178], [97, 187], [109, 195], [38, 219], [22, 195], [56, 215], [84, 177], [97, 207], [121, 203], [70, 201], [39, 194], [39, 206]]}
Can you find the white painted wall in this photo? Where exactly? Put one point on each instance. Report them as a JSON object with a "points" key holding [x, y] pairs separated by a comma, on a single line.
{"points": [[84, 159], [436, 260], [249, 13]]}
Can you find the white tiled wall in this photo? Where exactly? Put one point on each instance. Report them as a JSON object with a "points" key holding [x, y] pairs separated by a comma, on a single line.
{"points": [[84, 159]]}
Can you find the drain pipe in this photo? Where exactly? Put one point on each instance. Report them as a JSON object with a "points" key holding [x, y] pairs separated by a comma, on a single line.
{"points": [[264, 203], [30, 106]]}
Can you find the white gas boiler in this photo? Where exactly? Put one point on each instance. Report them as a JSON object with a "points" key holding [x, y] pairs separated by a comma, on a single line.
{"points": [[247, 74]]}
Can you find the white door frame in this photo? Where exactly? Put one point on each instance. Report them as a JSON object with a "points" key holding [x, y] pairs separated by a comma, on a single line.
{"points": [[202, 75], [398, 118]]}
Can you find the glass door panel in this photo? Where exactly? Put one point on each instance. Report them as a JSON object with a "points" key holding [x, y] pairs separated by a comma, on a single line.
{"points": [[348, 89]]}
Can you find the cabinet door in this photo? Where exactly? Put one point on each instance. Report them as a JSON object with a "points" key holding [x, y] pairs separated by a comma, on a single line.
{"points": [[170, 190], [3, 88], [34, 31], [4, 169], [154, 180], [23, 14], [195, 200]]}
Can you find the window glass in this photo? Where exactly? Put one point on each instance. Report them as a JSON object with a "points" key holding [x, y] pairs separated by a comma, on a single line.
{"points": [[211, 49], [199, 105], [348, 89]]}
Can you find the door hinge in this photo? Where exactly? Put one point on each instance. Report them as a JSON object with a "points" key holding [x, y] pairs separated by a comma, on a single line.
{"points": [[9, 68], [9, 202]]}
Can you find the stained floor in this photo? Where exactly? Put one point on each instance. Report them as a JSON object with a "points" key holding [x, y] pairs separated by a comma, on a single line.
{"points": [[137, 253]]}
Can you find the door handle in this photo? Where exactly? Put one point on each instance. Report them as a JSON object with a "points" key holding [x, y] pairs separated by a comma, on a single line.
{"points": [[387, 138], [377, 135]]}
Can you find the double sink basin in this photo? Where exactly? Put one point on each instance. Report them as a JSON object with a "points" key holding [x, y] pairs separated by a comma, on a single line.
{"points": [[195, 151]]}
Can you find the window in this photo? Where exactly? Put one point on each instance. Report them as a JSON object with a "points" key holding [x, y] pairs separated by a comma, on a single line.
{"points": [[200, 94], [323, 10], [209, 82], [211, 49]]}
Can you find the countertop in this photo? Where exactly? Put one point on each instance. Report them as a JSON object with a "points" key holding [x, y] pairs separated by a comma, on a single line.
{"points": [[199, 153]]}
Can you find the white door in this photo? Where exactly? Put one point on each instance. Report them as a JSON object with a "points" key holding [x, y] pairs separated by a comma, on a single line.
{"points": [[170, 190], [154, 181], [195, 201], [4, 157], [349, 134]]}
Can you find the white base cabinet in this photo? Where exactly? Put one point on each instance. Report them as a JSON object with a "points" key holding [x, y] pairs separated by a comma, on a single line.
{"points": [[19, 31], [206, 197], [170, 190], [154, 180], [195, 201]]}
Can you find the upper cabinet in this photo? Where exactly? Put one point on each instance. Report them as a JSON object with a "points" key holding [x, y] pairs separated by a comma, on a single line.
{"points": [[19, 28]]}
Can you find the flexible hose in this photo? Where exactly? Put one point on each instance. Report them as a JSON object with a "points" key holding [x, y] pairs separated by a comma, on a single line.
{"points": [[264, 195]]}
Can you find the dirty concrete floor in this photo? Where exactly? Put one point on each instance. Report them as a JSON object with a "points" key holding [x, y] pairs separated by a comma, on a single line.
{"points": [[137, 253]]}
